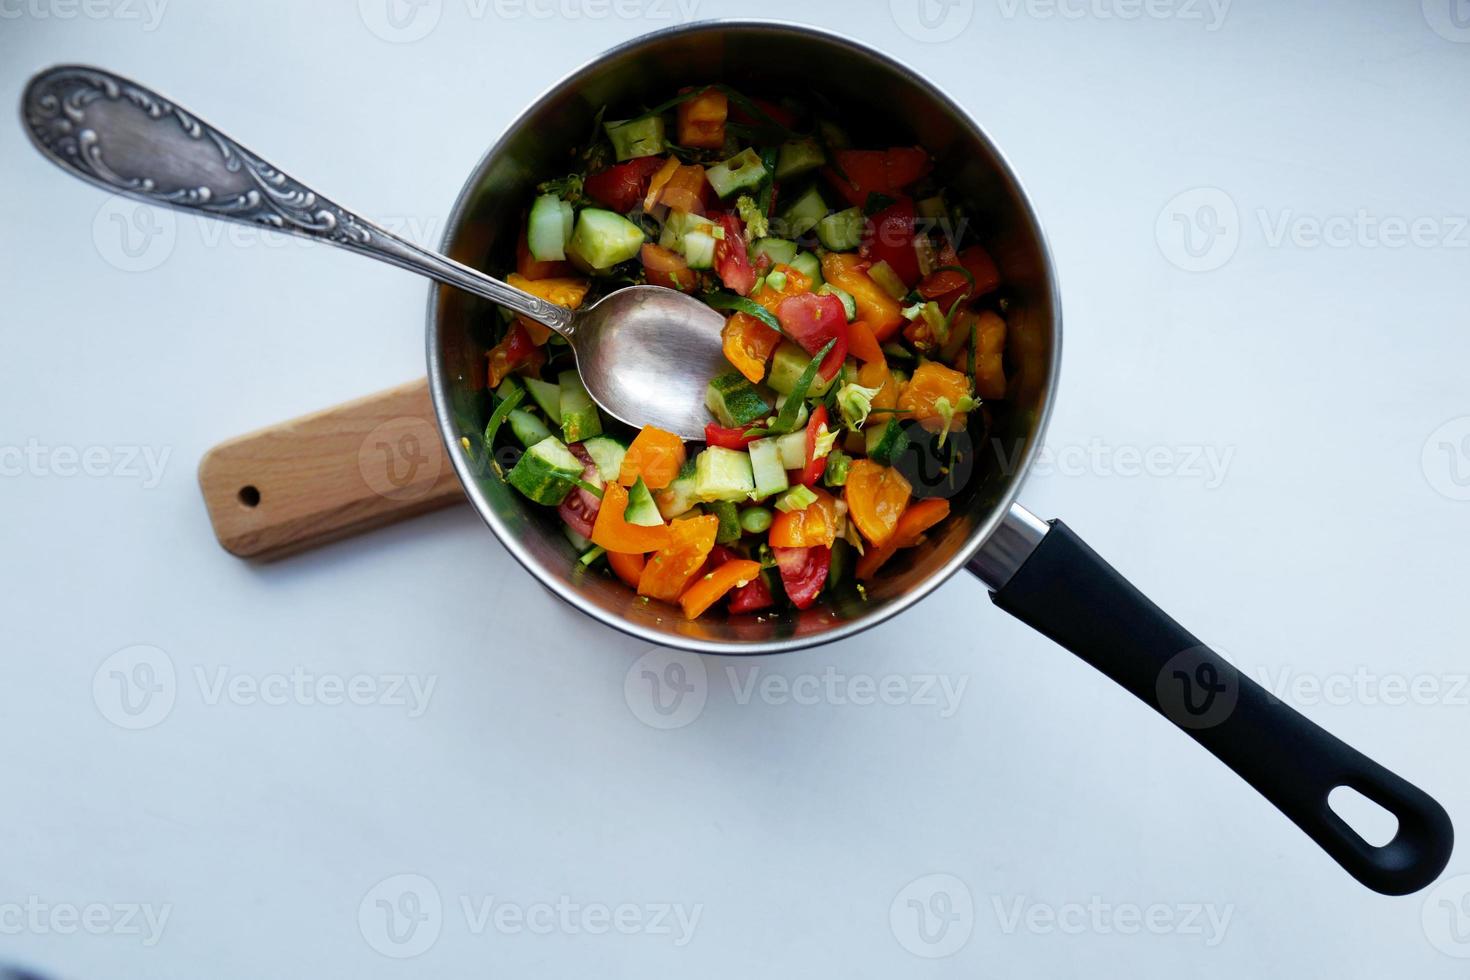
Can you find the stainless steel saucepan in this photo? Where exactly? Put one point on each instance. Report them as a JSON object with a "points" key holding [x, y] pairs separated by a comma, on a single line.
{"points": [[1038, 571]]}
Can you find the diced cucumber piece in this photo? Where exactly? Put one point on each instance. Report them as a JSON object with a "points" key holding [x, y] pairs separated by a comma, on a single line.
{"points": [[843, 231], [548, 396], [509, 386], [546, 232], [841, 565], [677, 497], [797, 157], [786, 366], [776, 249], [680, 223], [810, 266], [848, 303], [768, 467], [838, 465], [729, 517], [833, 135], [568, 221], [699, 249], [577, 541], [723, 474], [742, 172], [803, 213], [641, 509], [591, 555], [735, 401], [579, 418], [602, 239], [793, 450], [797, 498], [546, 472], [607, 453], [885, 441], [882, 273], [636, 137], [527, 427]]}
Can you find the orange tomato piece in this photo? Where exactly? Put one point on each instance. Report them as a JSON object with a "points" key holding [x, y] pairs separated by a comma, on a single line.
{"points": [[814, 525], [656, 456], [712, 585], [612, 532], [668, 572], [919, 517], [684, 191], [876, 497], [702, 120], [875, 307], [748, 345], [875, 374], [627, 567], [566, 292], [862, 343], [931, 382]]}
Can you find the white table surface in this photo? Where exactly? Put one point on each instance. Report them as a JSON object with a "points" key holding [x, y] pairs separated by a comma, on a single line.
{"points": [[260, 827]]}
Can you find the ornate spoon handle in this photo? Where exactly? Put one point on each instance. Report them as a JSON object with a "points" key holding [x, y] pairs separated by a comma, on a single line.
{"points": [[129, 140]]}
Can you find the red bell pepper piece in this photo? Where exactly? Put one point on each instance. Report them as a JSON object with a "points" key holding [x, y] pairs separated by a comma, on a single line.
{"points": [[803, 572], [813, 469], [726, 438], [622, 186], [890, 238], [732, 264], [812, 321]]}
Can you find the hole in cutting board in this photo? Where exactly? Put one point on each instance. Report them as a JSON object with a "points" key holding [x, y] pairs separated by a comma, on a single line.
{"points": [[1367, 819], [249, 496]]}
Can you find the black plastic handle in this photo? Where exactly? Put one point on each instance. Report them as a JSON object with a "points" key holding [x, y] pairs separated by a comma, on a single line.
{"points": [[1065, 591]]}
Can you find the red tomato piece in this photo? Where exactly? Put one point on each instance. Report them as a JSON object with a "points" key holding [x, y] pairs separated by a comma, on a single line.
{"points": [[890, 238], [719, 435], [732, 264], [803, 572], [580, 507], [622, 186], [812, 471], [752, 596], [811, 321]]}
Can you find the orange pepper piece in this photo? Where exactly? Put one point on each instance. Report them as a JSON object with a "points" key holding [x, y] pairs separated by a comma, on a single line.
{"points": [[566, 292], [876, 496], [656, 456], [702, 120], [808, 527], [748, 345], [712, 585], [875, 307], [668, 572], [917, 518], [615, 534], [931, 382], [862, 343], [626, 566], [875, 374]]}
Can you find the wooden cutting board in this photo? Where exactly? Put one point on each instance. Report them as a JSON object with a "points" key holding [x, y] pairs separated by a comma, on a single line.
{"points": [[327, 476]]}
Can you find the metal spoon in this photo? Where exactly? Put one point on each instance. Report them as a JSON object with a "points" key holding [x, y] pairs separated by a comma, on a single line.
{"points": [[645, 353]]}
